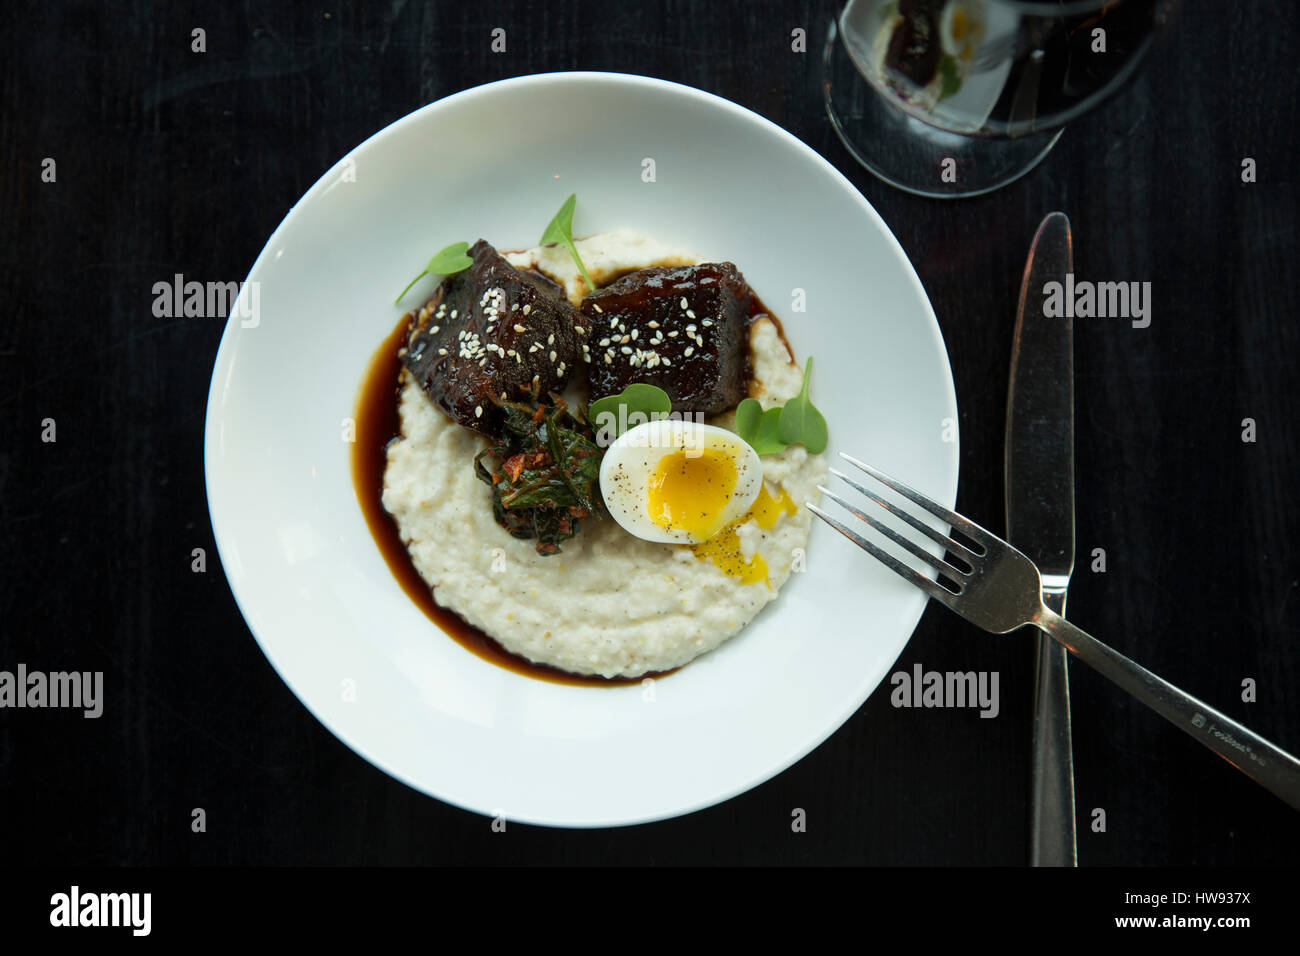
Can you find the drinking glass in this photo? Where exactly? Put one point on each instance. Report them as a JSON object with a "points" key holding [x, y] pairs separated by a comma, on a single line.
{"points": [[954, 98]]}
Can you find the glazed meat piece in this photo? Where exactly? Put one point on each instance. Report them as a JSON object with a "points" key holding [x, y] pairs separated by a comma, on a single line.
{"points": [[490, 333], [682, 329], [914, 47]]}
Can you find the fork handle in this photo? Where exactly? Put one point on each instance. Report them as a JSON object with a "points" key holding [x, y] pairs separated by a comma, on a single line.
{"points": [[1267, 764]]}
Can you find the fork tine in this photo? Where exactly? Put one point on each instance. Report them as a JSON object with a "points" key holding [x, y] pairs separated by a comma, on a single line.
{"points": [[937, 563], [965, 526], [937, 537], [936, 591]]}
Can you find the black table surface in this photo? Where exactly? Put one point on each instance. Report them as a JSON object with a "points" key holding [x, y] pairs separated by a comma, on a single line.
{"points": [[174, 161]]}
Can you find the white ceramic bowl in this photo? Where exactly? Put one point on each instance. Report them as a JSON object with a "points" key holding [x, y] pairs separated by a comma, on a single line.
{"points": [[496, 162]]}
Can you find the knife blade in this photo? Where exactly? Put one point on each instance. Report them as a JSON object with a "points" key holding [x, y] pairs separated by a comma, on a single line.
{"points": [[1039, 491]]}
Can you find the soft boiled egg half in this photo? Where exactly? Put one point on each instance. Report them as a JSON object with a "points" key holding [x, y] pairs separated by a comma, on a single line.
{"points": [[961, 24], [678, 481]]}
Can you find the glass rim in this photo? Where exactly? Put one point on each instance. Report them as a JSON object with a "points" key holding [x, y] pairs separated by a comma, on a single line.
{"points": [[1050, 8], [1056, 121]]}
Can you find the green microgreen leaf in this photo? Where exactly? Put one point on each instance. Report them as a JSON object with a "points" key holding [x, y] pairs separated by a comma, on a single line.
{"points": [[749, 413], [450, 260], [561, 230], [445, 262], [649, 400], [760, 429], [951, 78], [768, 440], [801, 423]]}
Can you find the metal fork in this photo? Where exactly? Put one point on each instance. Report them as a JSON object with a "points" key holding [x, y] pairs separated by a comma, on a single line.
{"points": [[1002, 591]]}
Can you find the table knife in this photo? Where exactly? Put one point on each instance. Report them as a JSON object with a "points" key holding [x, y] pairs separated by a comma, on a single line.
{"points": [[1039, 489]]}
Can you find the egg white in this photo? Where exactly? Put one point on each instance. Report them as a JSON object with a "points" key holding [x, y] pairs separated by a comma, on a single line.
{"points": [[973, 13], [631, 460]]}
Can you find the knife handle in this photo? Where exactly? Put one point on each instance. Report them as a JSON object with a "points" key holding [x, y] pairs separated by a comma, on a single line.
{"points": [[1052, 839], [1267, 764]]}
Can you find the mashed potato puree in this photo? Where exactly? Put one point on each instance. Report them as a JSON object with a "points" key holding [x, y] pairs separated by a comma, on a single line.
{"points": [[609, 604]]}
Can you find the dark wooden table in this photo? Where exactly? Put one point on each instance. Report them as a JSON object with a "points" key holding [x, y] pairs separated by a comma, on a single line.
{"points": [[174, 161]]}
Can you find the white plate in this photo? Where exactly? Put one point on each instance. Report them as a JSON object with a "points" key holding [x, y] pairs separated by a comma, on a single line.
{"points": [[496, 162]]}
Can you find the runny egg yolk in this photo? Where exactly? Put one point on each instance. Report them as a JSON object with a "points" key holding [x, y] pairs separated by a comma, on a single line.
{"points": [[724, 548], [689, 492], [959, 26]]}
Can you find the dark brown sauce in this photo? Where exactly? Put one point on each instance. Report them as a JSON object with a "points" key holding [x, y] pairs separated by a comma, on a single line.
{"points": [[378, 423]]}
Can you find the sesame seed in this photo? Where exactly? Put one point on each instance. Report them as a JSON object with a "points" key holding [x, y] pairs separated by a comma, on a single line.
{"points": [[707, 322], [478, 411], [689, 351], [442, 351], [683, 302], [552, 355], [527, 309], [634, 333], [690, 328], [580, 330], [434, 330], [667, 362], [514, 306], [613, 323], [608, 360], [533, 348], [604, 341], [690, 313], [625, 339], [550, 340], [653, 324], [625, 350], [520, 328], [598, 308], [454, 313], [672, 334], [510, 351]]}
